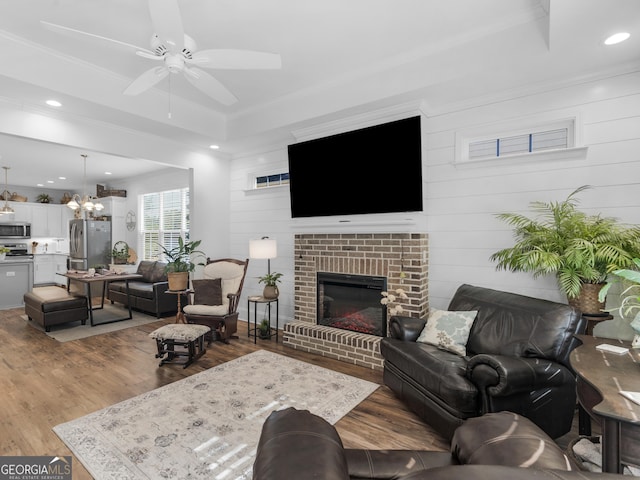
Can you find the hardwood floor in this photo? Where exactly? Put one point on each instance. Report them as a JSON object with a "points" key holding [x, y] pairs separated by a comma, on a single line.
{"points": [[44, 383]]}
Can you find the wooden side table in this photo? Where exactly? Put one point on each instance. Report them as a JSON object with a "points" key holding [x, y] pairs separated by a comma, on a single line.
{"points": [[265, 301], [593, 320], [180, 314]]}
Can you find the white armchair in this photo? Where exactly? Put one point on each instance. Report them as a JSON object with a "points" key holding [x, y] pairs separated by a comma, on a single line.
{"points": [[216, 297]]}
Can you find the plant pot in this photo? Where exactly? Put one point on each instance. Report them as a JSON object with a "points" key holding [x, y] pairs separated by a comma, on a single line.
{"points": [[178, 280], [587, 302], [270, 292], [264, 334]]}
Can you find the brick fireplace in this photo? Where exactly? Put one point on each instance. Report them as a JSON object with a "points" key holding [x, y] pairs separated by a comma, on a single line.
{"points": [[400, 257]]}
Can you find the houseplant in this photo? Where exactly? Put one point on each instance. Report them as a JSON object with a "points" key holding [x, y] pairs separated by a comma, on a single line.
{"points": [[270, 281], [180, 262], [264, 329], [44, 198], [630, 296], [120, 253], [579, 249], [3, 252]]}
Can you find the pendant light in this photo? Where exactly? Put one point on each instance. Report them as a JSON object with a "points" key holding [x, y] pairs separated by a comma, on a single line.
{"points": [[85, 202], [6, 209]]}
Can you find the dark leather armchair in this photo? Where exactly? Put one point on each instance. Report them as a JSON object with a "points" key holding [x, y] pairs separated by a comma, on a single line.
{"points": [[517, 360], [297, 444]]}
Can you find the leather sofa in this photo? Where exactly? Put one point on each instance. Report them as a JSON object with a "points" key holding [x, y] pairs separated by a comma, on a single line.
{"points": [[298, 444], [147, 294], [517, 359]]}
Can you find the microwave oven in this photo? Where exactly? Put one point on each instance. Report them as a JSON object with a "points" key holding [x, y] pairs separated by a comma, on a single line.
{"points": [[15, 230]]}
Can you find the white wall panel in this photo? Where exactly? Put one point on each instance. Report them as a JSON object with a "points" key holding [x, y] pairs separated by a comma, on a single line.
{"points": [[461, 201]]}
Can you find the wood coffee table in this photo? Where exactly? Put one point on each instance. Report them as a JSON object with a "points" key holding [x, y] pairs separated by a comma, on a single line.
{"points": [[600, 378]]}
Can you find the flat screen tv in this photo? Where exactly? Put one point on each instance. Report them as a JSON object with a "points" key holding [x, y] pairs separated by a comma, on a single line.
{"points": [[371, 170]]}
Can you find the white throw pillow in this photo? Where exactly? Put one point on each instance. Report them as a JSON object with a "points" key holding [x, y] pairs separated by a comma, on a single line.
{"points": [[448, 330]]}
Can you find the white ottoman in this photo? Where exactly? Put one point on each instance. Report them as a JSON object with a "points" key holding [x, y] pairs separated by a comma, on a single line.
{"points": [[187, 336]]}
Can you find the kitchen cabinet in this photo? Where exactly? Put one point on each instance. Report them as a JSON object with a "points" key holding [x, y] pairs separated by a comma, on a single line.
{"points": [[60, 262], [116, 207], [50, 220], [46, 219], [46, 268], [16, 279]]}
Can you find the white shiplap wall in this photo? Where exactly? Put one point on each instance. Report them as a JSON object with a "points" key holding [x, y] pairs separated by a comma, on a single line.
{"points": [[461, 201]]}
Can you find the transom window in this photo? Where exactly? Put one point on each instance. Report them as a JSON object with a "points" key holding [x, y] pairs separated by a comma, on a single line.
{"points": [[532, 142], [165, 218], [518, 138], [273, 180]]}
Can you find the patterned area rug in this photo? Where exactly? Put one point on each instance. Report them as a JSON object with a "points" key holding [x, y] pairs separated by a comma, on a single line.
{"points": [[207, 425]]}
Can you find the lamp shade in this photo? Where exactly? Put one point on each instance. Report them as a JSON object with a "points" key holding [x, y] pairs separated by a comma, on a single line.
{"points": [[263, 248]]}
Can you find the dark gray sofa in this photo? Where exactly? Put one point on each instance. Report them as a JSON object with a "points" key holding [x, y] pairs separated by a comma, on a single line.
{"points": [[148, 293], [517, 360]]}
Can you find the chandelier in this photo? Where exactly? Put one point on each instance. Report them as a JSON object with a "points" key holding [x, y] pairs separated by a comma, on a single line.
{"points": [[6, 208], [86, 201]]}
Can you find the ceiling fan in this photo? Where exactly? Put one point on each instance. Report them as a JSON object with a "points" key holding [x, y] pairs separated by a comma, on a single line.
{"points": [[178, 53]]}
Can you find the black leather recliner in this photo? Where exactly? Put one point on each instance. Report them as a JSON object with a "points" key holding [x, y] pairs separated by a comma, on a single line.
{"points": [[517, 360], [297, 444]]}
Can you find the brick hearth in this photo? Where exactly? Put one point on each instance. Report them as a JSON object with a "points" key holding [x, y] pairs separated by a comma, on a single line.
{"points": [[400, 257]]}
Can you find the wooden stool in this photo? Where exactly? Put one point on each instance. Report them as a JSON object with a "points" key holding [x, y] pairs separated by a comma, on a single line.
{"points": [[191, 337]]}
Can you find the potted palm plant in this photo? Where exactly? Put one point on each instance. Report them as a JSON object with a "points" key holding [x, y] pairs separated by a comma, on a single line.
{"points": [[180, 262], [579, 249]]}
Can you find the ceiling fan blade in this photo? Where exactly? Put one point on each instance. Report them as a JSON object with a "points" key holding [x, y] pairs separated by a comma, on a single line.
{"points": [[209, 85], [147, 80], [83, 35], [236, 59], [167, 23]]}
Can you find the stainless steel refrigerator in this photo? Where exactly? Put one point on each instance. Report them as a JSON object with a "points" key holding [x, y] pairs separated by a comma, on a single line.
{"points": [[89, 243]]}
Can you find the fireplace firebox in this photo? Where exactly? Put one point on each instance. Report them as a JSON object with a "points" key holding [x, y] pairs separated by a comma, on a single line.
{"points": [[352, 302]]}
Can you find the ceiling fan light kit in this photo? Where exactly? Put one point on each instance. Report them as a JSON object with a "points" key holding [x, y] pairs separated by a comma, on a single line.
{"points": [[179, 54]]}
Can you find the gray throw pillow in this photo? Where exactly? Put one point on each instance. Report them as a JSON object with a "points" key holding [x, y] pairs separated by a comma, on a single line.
{"points": [[208, 291]]}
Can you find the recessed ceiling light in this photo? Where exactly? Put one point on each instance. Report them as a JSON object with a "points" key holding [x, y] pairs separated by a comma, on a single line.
{"points": [[214, 147], [50, 181], [617, 38], [62, 178], [107, 173], [39, 185], [54, 103]]}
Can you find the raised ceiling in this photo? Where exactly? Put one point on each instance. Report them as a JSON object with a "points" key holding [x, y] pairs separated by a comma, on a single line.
{"points": [[338, 57]]}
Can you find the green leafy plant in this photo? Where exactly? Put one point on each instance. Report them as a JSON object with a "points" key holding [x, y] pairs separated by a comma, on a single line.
{"points": [[575, 247], [120, 252], [181, 258], [44, 198], [4, 250], [264, 329], [270, 279], [630, 304]]}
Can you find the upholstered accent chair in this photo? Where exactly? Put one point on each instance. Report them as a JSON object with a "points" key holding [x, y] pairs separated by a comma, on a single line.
{"points": [[216, 297]]}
